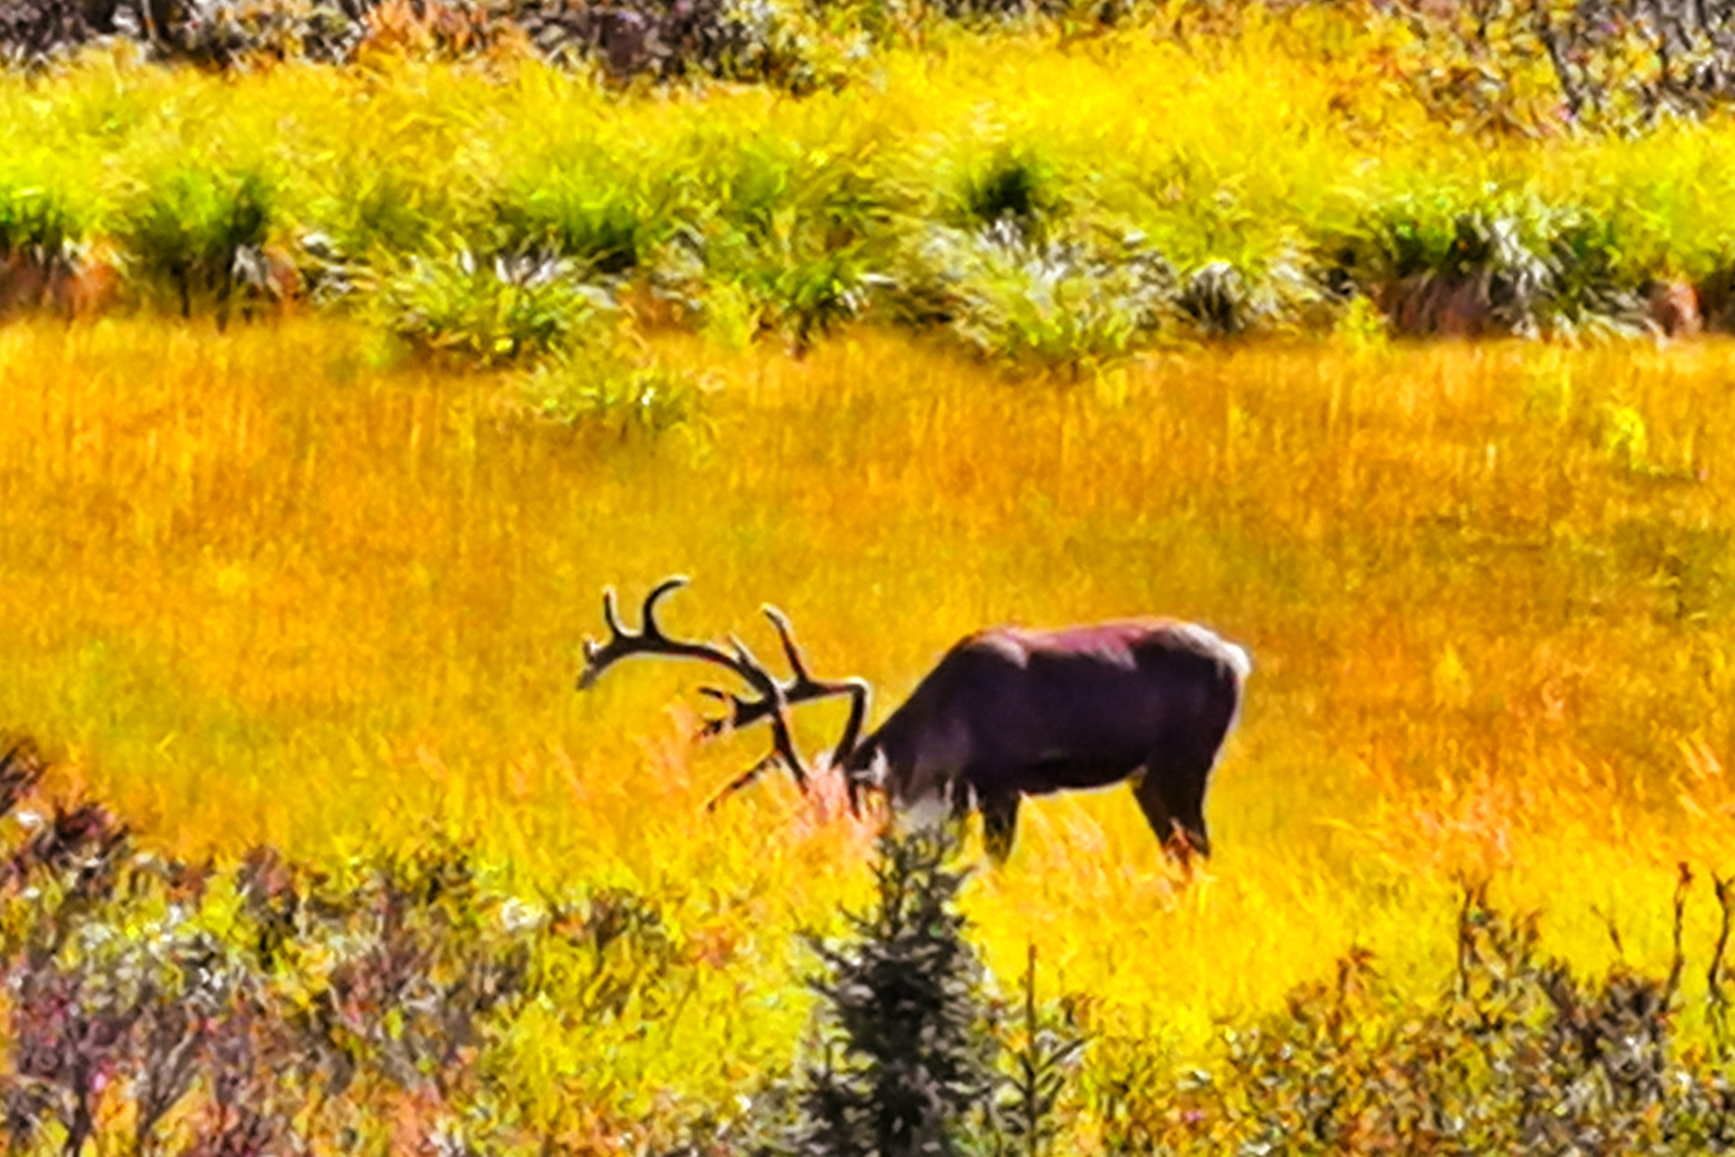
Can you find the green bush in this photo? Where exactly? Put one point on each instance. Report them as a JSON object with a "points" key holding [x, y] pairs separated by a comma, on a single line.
{"points": [[1489, 263], [1592, 282], [915, 1053], [1066, 303], [1520, 1055], [38, 245], [1017, 186], [603, 218], [797, 236], [374, 211], [35, 225], [472, 310], [613, 394], [196, 237]]}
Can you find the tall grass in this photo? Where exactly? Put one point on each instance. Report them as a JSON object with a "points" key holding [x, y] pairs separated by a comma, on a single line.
{"points": [[1245, 149], [261, 585]]}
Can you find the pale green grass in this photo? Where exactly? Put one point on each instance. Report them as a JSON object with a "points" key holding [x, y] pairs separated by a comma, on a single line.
{"points": [[1245, 148]]}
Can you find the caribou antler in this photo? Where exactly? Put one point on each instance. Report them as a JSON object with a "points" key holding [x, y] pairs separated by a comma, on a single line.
{"points": [[623, 643], [803, 688], [774, 697]]}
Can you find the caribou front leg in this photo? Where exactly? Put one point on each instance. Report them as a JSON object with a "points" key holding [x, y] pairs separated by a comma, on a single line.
{"points": [[999, 824]]}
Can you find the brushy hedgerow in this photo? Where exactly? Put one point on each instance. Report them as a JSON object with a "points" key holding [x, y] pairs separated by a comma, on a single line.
{"points": [[261, 1007], [1518, 1055], [1504, 66], [984, 185]]}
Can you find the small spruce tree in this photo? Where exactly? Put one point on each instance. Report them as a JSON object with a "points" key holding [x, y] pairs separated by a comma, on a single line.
{"points": [[908, 1067]]}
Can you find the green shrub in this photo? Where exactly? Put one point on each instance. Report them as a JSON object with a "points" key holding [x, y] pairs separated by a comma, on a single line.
{"points": [[373, 210], [613, 394], [38, 245], [196, 237], [36, 225], [1592, 283], [1063, 303], [1221, 301], [484, 312], [1716, 291], [1491, 263], [604, 220], [796, 236], [1043, 1055], [1018, 186], [915, 1053], [1520, 1055], [803, 296]]}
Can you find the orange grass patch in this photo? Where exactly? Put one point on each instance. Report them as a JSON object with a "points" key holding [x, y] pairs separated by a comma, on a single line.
{"points": [[261, 588]]}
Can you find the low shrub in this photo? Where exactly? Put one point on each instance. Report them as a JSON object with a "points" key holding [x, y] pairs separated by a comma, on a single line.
{"points": [[1490, 264], [1519, 1055], [792, 238], [38, 247], [609, 392], [373, 210], [1221, 300], [1018, 187], [161, 1006], [1066, 303], [593, 221], [462, 307], [258, 1006], [1715, 296], [196, 239]]}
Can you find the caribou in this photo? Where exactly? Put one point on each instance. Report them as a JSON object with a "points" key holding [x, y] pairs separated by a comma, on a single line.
{"points": [[1008, 712]]}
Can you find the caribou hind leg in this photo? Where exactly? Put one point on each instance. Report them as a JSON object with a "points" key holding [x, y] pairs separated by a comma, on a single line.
{"points": [[1152, 804], [1172, 796]]}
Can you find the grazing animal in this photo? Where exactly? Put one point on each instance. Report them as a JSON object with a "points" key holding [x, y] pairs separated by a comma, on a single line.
{"points": [[1007, 713]]}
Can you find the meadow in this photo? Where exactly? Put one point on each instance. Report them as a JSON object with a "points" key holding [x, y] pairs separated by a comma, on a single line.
{"points": [[315, 576], [258, 592]]}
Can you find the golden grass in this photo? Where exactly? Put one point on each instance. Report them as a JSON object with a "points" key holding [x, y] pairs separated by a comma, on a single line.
{"points": [[258, 588]]}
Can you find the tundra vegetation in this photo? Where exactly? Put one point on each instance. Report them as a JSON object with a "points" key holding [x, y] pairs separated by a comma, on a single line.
{"points": [[349, 354]]}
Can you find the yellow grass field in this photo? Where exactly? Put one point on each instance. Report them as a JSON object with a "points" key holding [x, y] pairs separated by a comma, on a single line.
{"points": [[267, 585]]}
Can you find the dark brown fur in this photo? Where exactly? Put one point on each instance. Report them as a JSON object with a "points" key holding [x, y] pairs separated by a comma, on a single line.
{"points": [[1011, 712], [1007, 713]]}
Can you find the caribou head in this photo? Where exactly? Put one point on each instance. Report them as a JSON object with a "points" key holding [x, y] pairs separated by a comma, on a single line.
{"points": [[1007, 713]]}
